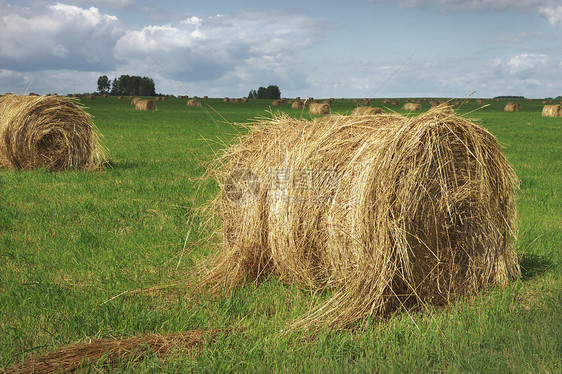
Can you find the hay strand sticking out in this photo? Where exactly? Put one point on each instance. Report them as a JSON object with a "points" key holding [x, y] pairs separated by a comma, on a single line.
{"points": [[366, 111], [52, 131], [145, 105], [386, 211], [552, 111], [316, 108]]}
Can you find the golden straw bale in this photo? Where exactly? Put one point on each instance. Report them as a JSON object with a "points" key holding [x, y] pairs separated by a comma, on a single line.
{"points": [[51, 132], [511, 107], [366, 111], [134, 100], [316, 108], [145, 105], [411, 106], [297, 105], [277, 103], [552, 111], [91, 97], [386, 211], [193, 102]]}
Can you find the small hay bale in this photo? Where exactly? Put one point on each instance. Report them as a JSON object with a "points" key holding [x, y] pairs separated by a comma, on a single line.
{"points": [[386, 211], [411, 106], [193, 102], [552, 111], [277, 103], [134, 100], [366, 111], [145, 105], [511, 107], [51, 132], [91, 97], [316, 108], [297, 105]]}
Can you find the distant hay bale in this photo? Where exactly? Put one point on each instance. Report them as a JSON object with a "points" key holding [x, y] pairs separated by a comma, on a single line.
{"points": [[511, 107], [277, 103], [145, 105], [387, 212], [226, 100], [552, 111], [366, 111], [297, 105], [411, 106], [316, 108], [120, 97], [193, 102], [91, 97], [134, 100], [51, 132]]}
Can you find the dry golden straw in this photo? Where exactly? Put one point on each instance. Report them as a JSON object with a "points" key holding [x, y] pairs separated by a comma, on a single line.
{"points": [[386, 211], [297, 105], [49, 131], [146, 105], [552, 111], [112, 351]]}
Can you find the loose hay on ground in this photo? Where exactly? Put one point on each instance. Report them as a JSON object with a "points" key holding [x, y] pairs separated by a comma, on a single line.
{"points": [[53, 132], [388, 212]]}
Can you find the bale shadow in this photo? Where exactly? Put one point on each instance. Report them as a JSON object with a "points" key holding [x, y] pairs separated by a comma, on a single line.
{"points": [[533, 265]]}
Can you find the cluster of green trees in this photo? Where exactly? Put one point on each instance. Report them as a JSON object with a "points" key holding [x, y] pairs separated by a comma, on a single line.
{"points": [[269, 92], [127, 85]]}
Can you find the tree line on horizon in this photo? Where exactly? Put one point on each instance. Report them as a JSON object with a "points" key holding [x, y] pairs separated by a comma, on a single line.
{"points": [[132, 85]]}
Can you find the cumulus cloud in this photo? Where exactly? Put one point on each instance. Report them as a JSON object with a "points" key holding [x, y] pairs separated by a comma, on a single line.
{"points": [[526, 64], [57, 36], [199, 49], [549, 9]]}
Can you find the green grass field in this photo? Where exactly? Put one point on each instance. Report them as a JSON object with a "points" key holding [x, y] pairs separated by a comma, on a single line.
{"points": [[100, 254]]}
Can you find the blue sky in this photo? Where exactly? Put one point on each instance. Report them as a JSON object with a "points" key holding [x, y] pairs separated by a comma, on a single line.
{"points": [[353, 48]]}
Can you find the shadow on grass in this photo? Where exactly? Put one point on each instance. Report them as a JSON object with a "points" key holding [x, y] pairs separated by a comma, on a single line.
{"points": [[533, 265]]}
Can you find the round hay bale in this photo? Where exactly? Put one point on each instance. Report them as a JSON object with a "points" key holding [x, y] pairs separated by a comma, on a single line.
{"points": [[193, 102], [277, 102], [411, 106], [366, 111], [134, 100], [51, 132], [511, 107], [226, 100], [145, 105], [297, 105], [91, 97], [386, 211], [552, 111], [316, 108]]}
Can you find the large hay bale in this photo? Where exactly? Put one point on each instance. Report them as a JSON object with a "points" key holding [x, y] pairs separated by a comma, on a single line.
{"points": [[145, 105], [366, 111], [552, 111], [297, 105], [388, 212], [193, 102], [411, 106], [316, 108], [53, 132]]}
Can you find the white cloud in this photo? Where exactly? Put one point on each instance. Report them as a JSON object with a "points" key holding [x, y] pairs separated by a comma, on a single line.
{"points": [[57, 36], [197, 49], [549, 9], [525, 65]]}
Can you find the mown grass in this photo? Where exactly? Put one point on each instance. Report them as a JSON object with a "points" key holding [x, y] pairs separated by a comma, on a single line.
{"points": [[88, 255]]}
